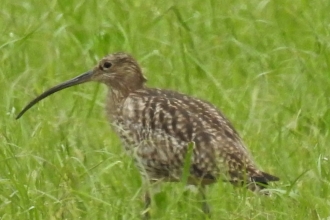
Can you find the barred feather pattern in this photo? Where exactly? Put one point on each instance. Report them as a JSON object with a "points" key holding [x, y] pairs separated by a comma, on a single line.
{"points": [[157, 125]]}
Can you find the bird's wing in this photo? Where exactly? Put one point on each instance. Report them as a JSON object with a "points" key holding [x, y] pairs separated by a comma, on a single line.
{"points": [[165, 122]]}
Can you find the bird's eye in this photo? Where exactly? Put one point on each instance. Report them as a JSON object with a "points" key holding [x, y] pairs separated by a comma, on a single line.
{"points": [[107, 65]]}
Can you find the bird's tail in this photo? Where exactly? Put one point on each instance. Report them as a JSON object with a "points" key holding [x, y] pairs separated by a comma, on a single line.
{"points": [[260, 181]]}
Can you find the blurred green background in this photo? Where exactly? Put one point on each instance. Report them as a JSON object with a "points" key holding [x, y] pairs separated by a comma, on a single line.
{"points": [[265, 64]]}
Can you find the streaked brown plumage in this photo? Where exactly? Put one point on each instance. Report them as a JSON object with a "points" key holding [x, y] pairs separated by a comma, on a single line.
{"points": [[156, 127]]}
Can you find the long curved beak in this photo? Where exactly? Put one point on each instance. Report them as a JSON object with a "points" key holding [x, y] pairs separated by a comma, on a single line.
{"points": [[72, 82]]}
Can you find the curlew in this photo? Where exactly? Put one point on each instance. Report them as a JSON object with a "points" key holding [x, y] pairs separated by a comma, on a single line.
{"points": [[161, 128]]}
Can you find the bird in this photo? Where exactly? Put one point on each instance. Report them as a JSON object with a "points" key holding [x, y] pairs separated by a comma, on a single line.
{"points": [[163, 129]]}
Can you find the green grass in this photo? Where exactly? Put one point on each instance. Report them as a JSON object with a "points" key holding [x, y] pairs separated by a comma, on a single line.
{"points": [[266, 64]]}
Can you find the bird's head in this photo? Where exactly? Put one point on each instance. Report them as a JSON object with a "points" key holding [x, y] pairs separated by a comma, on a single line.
{"points": [[120, 71]]}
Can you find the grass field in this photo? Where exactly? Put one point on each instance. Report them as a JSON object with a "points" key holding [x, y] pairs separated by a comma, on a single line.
{"points": [[265, 64]]}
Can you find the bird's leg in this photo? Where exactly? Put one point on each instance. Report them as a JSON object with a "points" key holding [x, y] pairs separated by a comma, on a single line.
{"points": [[147, 202], [151, 186], [147, 198], [205, 206]]}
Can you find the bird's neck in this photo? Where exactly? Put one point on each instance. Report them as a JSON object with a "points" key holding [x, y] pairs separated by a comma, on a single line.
{"points": [[117, 95], [124, 87], [115, 99]]}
